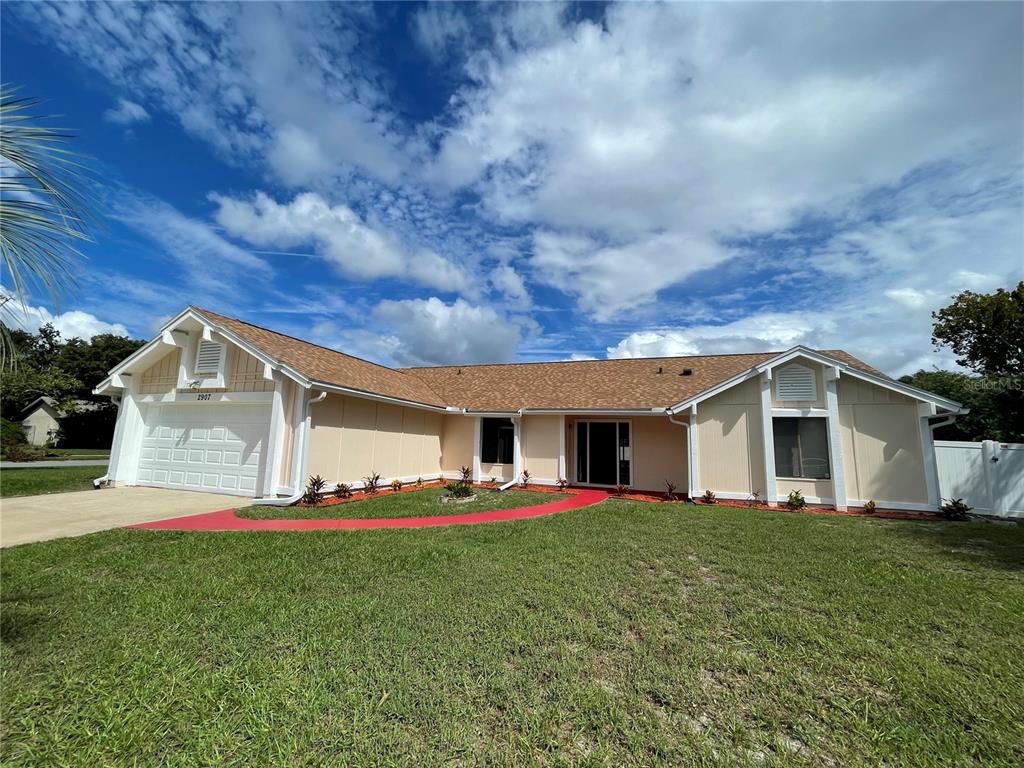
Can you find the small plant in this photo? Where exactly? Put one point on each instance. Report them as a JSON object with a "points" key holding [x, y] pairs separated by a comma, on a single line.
{"points": [[525, 478], [459, 490], [419, 482], [343, 491], [396, 485], [466, 475], [314, 487], [620, 489], [670, 490], [754, 497], [562, 483], [795, 500], [709, 497], [494, 481], [954, 509], [869, 507], [371, 483]]}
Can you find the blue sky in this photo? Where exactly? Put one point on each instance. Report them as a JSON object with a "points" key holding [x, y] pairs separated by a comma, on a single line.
{"points": [[424, 184]]}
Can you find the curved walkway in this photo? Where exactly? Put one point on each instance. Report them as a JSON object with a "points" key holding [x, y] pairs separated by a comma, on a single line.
{"points": [[227, 520]]}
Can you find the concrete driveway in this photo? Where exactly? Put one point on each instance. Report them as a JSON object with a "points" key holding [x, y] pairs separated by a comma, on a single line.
{"points": [[38, 518]]}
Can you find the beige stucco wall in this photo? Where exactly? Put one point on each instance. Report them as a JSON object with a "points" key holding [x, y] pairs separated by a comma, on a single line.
{"points": [[290, 400], [821, 489], [351, 437], [540, 446], [731, 454], [458, 434], [39, 426], [659, 454], [882, 455], [819, 382]]}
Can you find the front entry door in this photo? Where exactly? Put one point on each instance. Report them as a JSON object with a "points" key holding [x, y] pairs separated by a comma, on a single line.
{"points": [[603, 453]]}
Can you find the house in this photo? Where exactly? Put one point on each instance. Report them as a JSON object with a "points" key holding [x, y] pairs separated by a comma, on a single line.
{"points": [[41, 421], [217, 404]]}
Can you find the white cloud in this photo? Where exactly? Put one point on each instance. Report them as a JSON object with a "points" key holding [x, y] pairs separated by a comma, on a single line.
{"points": [[357, 248], [510, 284], [440, 28], [126, 113], [208, 264], [72, 323], [702, 124], [430, 332]]}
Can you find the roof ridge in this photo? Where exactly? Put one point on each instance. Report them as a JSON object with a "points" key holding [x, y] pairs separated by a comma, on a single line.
{"points": [[594, 360]]}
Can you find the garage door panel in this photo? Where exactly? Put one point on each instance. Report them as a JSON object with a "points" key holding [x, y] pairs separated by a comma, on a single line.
{"points": [[218, 448]]}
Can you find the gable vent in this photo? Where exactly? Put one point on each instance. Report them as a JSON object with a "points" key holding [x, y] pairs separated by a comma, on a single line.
{"points": [[795, 382], [208, 357]]}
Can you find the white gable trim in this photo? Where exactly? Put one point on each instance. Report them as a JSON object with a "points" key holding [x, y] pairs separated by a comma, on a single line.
{"points": [[166, 336], [841, 367]]}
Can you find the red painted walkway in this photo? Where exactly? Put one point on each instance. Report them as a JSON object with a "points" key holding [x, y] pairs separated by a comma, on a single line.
{"points": [[227, 520]]}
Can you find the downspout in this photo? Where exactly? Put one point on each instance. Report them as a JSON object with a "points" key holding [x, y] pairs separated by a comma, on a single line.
{"points": [[101, 481], [689, 469], [300, 460]]}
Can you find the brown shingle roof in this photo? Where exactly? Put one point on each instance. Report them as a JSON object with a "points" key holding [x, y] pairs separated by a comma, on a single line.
{"points": [[327, 366], [586, 384]]}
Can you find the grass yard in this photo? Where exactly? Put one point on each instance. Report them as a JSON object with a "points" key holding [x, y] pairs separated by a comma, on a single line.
{"points": [[625, 634], [423, 503], [30, 482]]}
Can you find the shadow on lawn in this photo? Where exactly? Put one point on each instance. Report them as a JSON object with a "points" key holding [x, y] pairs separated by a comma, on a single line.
{"points": [[981, 543]]}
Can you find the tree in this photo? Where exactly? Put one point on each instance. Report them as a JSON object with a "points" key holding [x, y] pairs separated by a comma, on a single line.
{"points": [[986, 331], [995, 413], [89, 361], [43, 211]]}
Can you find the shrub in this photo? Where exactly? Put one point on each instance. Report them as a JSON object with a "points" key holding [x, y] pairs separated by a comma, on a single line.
{"points": [[869, 507], [954, 509], [620, 489], [419, 482], [754, 497], [396, 485], [24, 452], [494, 481], [371, 483], [670, 490], [314, 487], [11, 433], [562, 483], [525, 478], [466, 476], [795, 500], [709, 497], [459, 490], [343, 490]]}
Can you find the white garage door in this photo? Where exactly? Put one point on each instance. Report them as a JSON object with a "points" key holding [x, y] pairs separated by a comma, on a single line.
{"points": [[218, 448]]}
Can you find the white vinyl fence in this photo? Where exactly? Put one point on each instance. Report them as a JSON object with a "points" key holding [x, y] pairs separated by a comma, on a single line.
{"points": [[988, 476]]}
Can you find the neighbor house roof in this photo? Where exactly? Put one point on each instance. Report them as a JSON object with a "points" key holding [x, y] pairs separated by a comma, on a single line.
{"points": [[633, 383], [328, 366]]}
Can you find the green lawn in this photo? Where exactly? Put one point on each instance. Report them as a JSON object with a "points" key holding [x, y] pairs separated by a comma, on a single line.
{"points": [[625, 634], [410, 504], [29, 482]]}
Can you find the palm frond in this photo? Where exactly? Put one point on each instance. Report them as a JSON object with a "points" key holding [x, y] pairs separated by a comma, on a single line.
{"points": [[43, 210]]}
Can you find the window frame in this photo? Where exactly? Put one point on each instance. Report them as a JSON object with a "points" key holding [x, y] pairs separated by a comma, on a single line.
{"points": [[510, 427], [798, 464]]}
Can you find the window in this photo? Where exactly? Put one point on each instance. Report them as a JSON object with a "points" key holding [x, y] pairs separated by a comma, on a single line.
{"points": [[497, 439], [209, 356], [801, 448], [795, 382]]}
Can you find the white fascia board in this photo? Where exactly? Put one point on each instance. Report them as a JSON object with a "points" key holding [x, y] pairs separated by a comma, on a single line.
{"points": [[589, 411], [842, 368], [380, 398]]}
